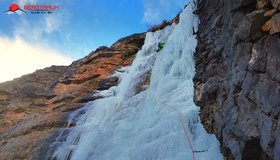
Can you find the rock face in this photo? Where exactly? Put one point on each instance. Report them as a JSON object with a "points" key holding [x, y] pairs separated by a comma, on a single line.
{"points": [[34, 107], [237, 81]]}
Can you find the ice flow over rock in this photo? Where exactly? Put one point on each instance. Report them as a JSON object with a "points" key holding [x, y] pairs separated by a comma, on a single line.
{"points": [[128, 125]]}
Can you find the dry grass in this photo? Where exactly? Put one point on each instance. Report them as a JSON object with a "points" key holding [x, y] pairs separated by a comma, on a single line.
{"points": [[165, 23], [160, 26]]}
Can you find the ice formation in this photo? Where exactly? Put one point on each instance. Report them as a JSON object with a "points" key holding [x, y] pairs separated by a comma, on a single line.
{"points": [[128, 125]]}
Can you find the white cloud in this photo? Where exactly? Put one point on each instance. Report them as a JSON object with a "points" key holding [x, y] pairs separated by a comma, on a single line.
{"points": [[52, 23], [47, 24], [37, 27], [35, 30], [157, 10], [18, 57], [21, 3], [29, 49]]}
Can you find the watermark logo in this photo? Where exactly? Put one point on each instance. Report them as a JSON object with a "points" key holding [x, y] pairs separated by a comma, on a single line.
{"points": [[41, 9], [15, 9], [33, 9]]}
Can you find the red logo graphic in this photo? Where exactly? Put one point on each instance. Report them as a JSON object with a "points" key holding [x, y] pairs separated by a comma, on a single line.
{"points": [[14, 8], [41, 9], [34, 9]]}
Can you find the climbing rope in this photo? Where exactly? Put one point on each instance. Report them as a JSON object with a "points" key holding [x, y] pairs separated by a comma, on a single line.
{"points": [[181, 122]]}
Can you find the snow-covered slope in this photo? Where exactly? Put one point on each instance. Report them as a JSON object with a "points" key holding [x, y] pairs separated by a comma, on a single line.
{"points": [[155, 124]]}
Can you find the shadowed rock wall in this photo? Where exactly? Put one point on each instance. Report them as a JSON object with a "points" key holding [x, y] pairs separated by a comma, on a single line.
{"points": [[237, 81]]}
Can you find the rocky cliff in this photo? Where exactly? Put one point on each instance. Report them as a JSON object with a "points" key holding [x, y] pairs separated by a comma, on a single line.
{"points": [[237, 84], [237, 81], [34, 107]]}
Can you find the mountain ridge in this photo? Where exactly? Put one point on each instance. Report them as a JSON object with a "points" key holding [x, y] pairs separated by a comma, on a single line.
{"points": [[35, 106]]}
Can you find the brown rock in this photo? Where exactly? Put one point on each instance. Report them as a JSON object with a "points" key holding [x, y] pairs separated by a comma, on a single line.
{"points": [[267, 26], [34, 107], [270, 13], [262, 4], [273, 25], [199, 91], [3, 97], [275, 3]]}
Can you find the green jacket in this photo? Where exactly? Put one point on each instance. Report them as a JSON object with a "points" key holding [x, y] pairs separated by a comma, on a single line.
{"points": [[160, 46]]}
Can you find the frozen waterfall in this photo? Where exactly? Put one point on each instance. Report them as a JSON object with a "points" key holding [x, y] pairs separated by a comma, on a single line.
{"points": [[153, 124]]}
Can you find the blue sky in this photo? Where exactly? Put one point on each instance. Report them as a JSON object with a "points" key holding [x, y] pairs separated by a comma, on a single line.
{"points": [[80, 26]]}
